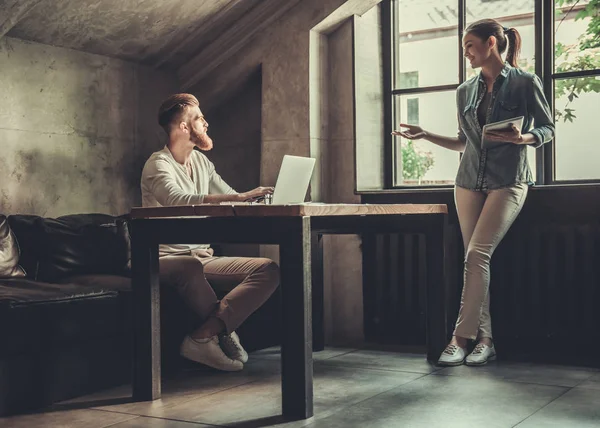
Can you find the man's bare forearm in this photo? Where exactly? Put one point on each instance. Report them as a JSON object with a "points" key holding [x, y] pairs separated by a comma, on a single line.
{"points": [[452, 143]]}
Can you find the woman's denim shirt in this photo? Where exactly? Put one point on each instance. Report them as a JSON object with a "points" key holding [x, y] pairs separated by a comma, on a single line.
{"points": [[515, 93]]}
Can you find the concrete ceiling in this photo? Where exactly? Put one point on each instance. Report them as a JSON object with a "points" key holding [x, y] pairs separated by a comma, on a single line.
{"points": [[190, 37], [159, 33]]}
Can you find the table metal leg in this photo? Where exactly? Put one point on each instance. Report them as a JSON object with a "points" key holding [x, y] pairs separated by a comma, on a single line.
{"points": [[435, 242], [146, 319], [318, 293], [296, 346]]}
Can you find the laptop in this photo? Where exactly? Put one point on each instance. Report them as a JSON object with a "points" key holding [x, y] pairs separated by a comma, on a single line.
{"points": [[293, 180]]}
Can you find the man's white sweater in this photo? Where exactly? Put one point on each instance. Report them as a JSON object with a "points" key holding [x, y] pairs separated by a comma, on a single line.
{"points": [[165, 182]]}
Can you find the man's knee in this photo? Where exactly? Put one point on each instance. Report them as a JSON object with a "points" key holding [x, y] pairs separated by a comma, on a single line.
{"points": [[270, 271], [180, 271]]}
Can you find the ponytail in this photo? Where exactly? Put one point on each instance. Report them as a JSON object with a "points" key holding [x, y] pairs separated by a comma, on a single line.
{"points": [[505, 37], [514, 46]]}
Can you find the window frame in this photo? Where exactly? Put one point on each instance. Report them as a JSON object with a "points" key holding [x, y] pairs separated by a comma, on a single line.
{"points": [[544, 22]]}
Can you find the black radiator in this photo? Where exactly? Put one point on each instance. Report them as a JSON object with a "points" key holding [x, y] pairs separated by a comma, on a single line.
{"points": [[545, 290]]}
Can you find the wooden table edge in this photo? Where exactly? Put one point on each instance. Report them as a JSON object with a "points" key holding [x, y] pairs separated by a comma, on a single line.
{"points": [[299, 210]]}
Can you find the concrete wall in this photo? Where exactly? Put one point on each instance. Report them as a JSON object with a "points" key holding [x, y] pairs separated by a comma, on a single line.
{"points": [[283, 52], [299, 120], [235, 128], [368, 90], [75, 129], [342, 254]]}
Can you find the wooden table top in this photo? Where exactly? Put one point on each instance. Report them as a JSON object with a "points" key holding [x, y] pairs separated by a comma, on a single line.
{"points": [[297, 210]]}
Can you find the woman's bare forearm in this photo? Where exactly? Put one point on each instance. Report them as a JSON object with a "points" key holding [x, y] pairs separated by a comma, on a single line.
{"points": [[452, 143]]}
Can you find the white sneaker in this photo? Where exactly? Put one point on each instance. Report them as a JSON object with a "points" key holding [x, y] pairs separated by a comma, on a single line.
{"points": [[481, 355], [453, 355], [208, 352], [231, 345]]}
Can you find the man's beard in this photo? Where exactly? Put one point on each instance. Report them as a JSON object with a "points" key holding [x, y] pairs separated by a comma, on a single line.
{"points": [[202, 141]]}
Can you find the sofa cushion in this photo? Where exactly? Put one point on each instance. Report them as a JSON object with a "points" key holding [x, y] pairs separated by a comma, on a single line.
{"points": [[25, 292], [105, 282], [26, 229], [83, 244], [9, 252], [35, 315]]}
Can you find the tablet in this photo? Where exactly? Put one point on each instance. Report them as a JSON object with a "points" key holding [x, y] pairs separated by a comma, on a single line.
{"points": [[503, 125]]}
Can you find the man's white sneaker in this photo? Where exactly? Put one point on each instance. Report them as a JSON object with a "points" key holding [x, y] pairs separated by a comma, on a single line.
{"points": [[231, 345], [453, 355], [481, 355], [208, 352]]}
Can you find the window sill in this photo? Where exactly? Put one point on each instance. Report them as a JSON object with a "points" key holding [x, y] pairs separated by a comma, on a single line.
{"points": [[449, 188]]}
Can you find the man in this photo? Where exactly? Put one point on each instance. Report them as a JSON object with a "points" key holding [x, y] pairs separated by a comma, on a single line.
{"points": [[180, 175]]}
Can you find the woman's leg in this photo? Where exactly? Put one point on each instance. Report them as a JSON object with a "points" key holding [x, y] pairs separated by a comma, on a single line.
{"points": [[469, 205], [499, 211]]}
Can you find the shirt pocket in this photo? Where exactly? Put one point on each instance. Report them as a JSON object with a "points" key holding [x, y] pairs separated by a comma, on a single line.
{"points": [[507, 109]]}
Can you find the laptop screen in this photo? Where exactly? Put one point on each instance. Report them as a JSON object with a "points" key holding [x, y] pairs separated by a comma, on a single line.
{"points": [[293, 180]]}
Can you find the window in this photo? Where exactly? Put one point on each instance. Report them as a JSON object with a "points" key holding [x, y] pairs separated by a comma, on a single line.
{"points": [[423, 163], [576, 84], [566, 40], [421, 94]]}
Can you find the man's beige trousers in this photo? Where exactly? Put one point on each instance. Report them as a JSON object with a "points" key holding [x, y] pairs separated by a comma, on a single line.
{"points": [[248, 283]]}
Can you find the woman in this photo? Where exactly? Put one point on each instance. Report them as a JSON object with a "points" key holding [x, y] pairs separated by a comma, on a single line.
{"points": [[492, 182]]}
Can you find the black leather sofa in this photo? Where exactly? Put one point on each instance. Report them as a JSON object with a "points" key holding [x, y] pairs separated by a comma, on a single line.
{"points": [[65, 328]]}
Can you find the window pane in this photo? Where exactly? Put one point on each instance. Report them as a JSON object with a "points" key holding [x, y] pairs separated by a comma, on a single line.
{"points": [[576, 150], [421, 162], [510, 13], [426, 37], [577, 43]]}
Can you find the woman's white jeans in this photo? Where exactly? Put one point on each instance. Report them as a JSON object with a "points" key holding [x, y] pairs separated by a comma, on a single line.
{"points": [[484, 219]]}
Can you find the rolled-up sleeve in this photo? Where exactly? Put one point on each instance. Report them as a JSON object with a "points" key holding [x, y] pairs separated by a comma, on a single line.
{"points": [[542, 115], [160, 181]]}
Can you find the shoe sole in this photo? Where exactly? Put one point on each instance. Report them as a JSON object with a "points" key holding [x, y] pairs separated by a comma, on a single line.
{"points": [[184, 353], [492, 358], [213, 366], [445, 364]]}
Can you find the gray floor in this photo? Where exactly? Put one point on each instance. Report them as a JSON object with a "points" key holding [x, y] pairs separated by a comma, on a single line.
{"points": [[353, 388]]}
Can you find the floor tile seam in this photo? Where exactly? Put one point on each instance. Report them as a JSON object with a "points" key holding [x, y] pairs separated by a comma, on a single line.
{"points": [[170, 406], [200, 424], [585, 380], [378, 369], [356, 403], [267, 358], [543, 407], [219, 391], [119, 422], [387, 390], [510, 380], [587, 388], [343, 407], [336, 356]]}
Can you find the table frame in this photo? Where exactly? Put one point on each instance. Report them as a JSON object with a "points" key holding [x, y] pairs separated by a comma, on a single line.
{"points": [[300, 246]]}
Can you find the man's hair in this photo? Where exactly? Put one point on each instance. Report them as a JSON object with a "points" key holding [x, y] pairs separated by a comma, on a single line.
{"points": [[173, 109]]}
